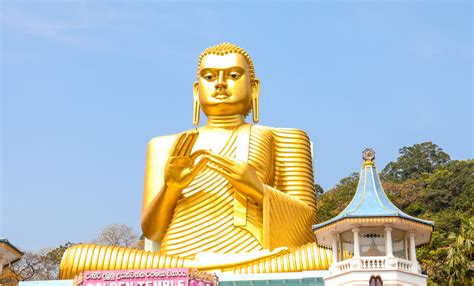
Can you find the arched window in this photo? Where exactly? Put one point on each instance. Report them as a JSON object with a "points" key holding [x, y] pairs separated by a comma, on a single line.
{"points": [[375, 281]]}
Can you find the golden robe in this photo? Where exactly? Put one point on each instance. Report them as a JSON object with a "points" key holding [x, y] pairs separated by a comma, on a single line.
{"points": [[213, 217]]}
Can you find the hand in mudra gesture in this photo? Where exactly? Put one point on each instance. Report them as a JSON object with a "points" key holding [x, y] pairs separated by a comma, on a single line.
{"points": [[181, 167], [240, 174]]}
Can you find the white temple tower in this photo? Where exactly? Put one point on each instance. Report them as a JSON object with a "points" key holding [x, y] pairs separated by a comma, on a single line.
{"points": [[373, 242]]}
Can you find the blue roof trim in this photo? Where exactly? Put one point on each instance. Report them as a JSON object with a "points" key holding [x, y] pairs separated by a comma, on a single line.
{"points": [[370, 200]]}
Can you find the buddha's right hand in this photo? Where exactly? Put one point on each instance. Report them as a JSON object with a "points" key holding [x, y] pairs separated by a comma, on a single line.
{"points": [[181, 168]]}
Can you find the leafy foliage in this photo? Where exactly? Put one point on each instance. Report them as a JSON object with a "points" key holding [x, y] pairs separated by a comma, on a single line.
{"points": [[335, 200], [426, 183], [415, 161], [460, 254]]}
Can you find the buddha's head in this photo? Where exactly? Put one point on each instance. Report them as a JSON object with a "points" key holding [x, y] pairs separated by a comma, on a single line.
{"points": [[226, 83]]}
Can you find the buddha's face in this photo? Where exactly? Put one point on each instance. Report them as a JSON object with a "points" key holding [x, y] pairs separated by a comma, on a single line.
{"points": [[224, 86]]}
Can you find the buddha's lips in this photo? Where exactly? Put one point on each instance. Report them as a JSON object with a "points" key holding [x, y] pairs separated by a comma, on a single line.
{"points": [[221, 95]]}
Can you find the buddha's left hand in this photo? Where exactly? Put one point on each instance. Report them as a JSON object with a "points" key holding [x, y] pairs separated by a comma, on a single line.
{"points": [[240, 174]]}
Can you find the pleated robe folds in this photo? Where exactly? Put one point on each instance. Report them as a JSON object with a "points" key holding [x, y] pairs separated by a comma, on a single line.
{"points": [[212, 216]]}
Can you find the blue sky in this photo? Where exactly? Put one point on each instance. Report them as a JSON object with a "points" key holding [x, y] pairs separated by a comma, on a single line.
{"points": [[85, 85]]}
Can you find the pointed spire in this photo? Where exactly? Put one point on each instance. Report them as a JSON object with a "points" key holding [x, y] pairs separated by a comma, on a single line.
{"points": [[370, 200]]}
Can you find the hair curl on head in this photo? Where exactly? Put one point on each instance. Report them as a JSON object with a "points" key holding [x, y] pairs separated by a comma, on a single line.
{"points": [[228, 48]]}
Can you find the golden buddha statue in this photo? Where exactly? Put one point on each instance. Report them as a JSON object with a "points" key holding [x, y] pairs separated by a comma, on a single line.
{"points": [[227, 196]]}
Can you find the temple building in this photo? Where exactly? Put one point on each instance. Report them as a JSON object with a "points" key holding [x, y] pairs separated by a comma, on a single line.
{"points": [[373, 242], [9, 254]]}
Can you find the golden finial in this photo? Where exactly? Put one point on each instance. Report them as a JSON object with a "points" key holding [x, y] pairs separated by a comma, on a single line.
{"points": [[228, 48], [369, 156]]}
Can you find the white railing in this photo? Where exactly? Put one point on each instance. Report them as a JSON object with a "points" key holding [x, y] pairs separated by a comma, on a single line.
{"points": [[343, 265], [405, 265], [373, 262]]}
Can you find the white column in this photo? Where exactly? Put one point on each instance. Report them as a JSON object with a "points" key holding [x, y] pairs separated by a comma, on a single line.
{"points": [[388, 241], [355, 231], [334, 248], [405, 238], [412, 247]]}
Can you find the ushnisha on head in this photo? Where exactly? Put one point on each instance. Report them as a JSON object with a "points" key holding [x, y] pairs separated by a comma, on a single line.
{"points": [[226, 83]]}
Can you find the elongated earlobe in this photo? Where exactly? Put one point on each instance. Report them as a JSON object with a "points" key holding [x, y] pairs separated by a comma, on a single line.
{"points": [[255, 113], [196, 112], [255, 97], [197, 105]]}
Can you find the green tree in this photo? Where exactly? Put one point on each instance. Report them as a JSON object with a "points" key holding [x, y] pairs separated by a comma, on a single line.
{"points": [[414, 161], [318, 190], [459, 260], [332, 202]]}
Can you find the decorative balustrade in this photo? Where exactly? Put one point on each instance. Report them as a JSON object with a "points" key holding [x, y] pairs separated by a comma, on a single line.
{"points": [[343, 265], [405, 265], [373, 262]]}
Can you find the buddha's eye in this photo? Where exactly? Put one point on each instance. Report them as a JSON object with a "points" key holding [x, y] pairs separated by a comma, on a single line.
{"points": [[234, 75], [209, 76]]}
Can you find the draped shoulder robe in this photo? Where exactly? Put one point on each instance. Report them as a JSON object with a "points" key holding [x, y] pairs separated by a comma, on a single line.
{"points": [[214, 217]]}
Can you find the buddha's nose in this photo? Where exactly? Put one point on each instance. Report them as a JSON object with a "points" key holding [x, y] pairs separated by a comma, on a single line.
{"points": [[221, 83]]}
